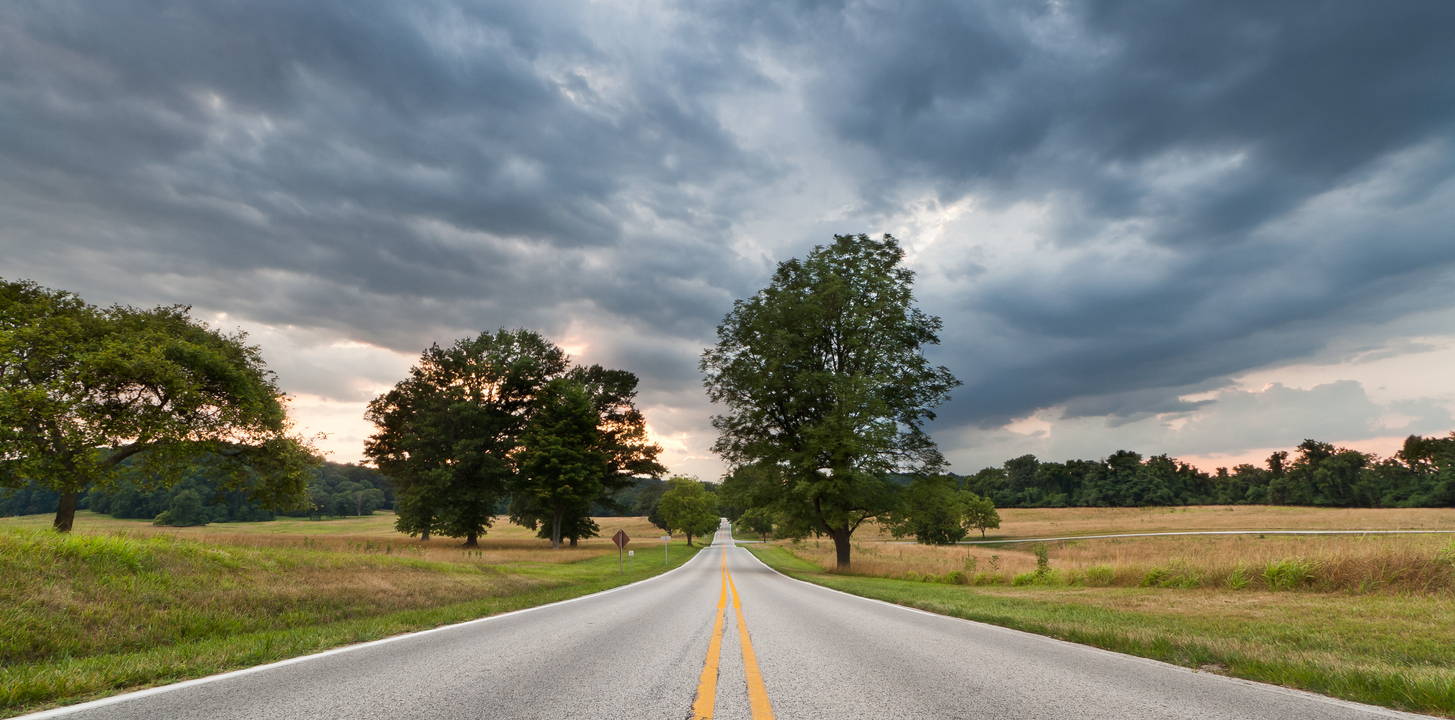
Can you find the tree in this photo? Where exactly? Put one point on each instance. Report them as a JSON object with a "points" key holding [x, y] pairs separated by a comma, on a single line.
{"points": [[933, 511], [446, 433], [980, 514], [621, 445], [560, 462], [758, 521], [83, 391], [689, 508], [826, 387]]}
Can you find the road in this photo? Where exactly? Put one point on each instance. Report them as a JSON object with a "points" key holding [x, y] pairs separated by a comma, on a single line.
{"points": [[673, 647]]}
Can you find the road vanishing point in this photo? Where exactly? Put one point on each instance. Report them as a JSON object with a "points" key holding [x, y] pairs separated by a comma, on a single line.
{"points": [[724, 637]]}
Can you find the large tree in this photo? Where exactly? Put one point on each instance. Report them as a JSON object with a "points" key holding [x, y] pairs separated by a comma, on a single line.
{"points": [[84, 390], [618, 442], [445, 433], [826, 386], [559, 463]]}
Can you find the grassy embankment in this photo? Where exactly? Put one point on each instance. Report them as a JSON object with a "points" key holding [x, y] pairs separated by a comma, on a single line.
{"points": [[1364, 618], [121, 605]]}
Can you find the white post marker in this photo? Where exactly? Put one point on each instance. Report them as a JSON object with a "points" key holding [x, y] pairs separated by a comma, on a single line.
{"points": [[665, 539], [631, 560]]}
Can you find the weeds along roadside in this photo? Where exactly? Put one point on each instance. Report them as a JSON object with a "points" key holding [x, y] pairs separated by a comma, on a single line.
{"points": [[83, 616], [1394, 647]]}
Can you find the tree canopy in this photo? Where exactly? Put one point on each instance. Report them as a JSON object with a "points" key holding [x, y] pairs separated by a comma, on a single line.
{"points": [[84, 389], [688, 507], [504, 417], [826, 388], [445, 434], [560, 462]]}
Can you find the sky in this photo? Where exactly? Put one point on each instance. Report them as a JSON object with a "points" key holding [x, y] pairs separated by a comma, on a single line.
{"points": [[1210, 229]]}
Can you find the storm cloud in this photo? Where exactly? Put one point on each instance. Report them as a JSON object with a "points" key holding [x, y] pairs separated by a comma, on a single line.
{"points": [[1114, 206]]}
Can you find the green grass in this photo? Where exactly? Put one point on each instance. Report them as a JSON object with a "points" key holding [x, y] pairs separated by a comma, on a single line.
{"points": [[1394, 650], [84, 616]]}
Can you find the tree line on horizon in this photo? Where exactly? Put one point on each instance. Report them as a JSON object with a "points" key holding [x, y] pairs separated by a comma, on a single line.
{"points": [[1420, 474], [201, 496]]}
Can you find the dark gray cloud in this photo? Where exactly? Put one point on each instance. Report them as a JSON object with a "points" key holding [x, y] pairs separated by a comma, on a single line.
{"points": [[1163, 195]]}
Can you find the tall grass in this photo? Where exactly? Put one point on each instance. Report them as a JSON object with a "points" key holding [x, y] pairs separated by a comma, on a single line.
{"points": [[1359, 564]]}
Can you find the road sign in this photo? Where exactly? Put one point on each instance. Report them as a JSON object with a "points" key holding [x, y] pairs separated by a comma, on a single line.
{"points": [[621, 540]]}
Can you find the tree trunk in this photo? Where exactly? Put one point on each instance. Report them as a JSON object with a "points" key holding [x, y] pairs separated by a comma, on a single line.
{"points": [[556, 531], [424, 535], [573, 542], [841, 546], [472, 540], [66, 512]]}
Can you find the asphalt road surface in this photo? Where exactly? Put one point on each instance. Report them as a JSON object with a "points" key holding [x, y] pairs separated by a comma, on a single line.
{"points": [[674, 647]]}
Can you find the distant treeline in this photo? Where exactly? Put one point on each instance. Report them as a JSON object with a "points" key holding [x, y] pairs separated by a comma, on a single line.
{"points": [[335, 490], [1421, 474]]}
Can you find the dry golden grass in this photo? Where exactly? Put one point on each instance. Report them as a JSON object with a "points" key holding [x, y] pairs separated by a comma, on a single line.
{"points": [[1359, 563], [504, 543], [1060, 522]]}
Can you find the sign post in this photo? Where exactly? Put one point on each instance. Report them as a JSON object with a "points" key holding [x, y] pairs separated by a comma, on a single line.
{"points": [[621, 540], [665, 540], [631, 561]]}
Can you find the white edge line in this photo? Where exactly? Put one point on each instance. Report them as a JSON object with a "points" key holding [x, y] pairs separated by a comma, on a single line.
{"points": [[137, 694], [1302, 694]]}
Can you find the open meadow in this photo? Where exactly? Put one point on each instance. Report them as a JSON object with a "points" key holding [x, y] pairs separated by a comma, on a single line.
{"points": [[1369, 618], [120, 604]]}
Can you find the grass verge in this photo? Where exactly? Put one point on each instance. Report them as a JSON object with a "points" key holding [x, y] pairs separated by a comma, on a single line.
{"points": [[86, 616], [1389, 649]]}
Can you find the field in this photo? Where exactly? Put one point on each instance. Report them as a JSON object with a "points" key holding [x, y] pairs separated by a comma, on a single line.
{"points": [[1369, 618], [120, 604]]}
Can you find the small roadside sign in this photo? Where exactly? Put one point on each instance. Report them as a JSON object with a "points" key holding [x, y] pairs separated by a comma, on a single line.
{"points": [[621, 539]]}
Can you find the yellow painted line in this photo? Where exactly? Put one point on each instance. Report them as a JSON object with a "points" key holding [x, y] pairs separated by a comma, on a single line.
{"points": [[707, 685], [757, 691]]}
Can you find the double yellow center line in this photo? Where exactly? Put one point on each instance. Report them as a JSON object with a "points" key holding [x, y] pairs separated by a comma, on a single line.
{"points": [[707, 686]]}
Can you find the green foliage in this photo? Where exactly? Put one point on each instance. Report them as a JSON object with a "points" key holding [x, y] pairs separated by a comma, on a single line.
{"points": [[689, 508], [448, 435], [826, 388], [445, 434], [980, 513], [620, 448], [83, 389], [758, 521], [1287, 574], [561, 467], [933, 510]]}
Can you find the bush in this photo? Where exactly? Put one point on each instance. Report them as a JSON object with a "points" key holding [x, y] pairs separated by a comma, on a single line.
{"points": [[957, 577], [1100, 575], [1238, 579], [1287, 574]]}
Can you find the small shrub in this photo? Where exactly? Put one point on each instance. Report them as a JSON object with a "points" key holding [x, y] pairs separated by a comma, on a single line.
{"points": [[1238, 579], [970, 562], [994, 563], [957, 577], [1029, 578], [1176, 575], [1043, 558], [1287, 574], [1154, 577], [1100, 575], [911, 576]]}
